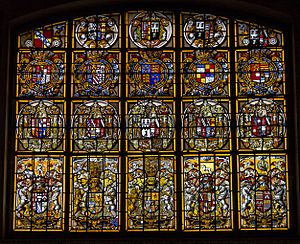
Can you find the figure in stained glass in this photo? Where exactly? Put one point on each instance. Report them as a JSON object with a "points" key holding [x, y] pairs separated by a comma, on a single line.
{"points": [[39, 193], [263, 191], [40, 126], [150, 126], [150, 193], [260, 72], [96, 73], [205, 73], [41, 74], [261, 124], [207, 192], [49, 36], [204, 30], [95, 194], [96, 31], [206, 125], [151, 73], [150, 29], [253, 35], [95, 126]]}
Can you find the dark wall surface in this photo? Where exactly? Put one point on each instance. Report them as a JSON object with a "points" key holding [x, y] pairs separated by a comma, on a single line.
{"points": [[16, 13]]}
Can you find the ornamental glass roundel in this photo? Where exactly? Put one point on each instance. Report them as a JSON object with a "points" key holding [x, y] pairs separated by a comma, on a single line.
{"points": [[206, 125], [95, 126], [41, 73], [150, 29], [40, 126], [260, 72], [261, 124], [96, 31], [204, 30], [150, 126]]}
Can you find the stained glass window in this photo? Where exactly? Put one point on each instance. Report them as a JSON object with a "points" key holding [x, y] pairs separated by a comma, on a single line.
{"points": [[151, 121]]}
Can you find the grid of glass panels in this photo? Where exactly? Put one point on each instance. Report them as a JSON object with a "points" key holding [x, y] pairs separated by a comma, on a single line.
{"points": [[153, 99]]}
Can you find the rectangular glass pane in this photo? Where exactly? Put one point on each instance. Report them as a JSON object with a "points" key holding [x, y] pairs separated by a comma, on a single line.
{"points": [[95, 194], [263, 191], [41, 74], [96, 74], [150, 126], [39, 193], [260, 72], [206, 125], [150, 193], [207, 192], [261, 124], [151, 74], [205, 73], [40, 126], [95, 125]]}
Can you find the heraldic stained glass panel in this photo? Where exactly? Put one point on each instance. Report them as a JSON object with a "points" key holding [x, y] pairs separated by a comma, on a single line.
{"points": [[97, 31], [96, 74], [41, 74], [260, 72], [204, 30], [95, 194], [150, 126], [263, 191], [255, 35], [207, 192], [206, 125], [40, 126], [205, 73], [151, 193], [49, 36], [150, 73], [95, 126], [150, 29], [262, 124], [39, 193]]}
